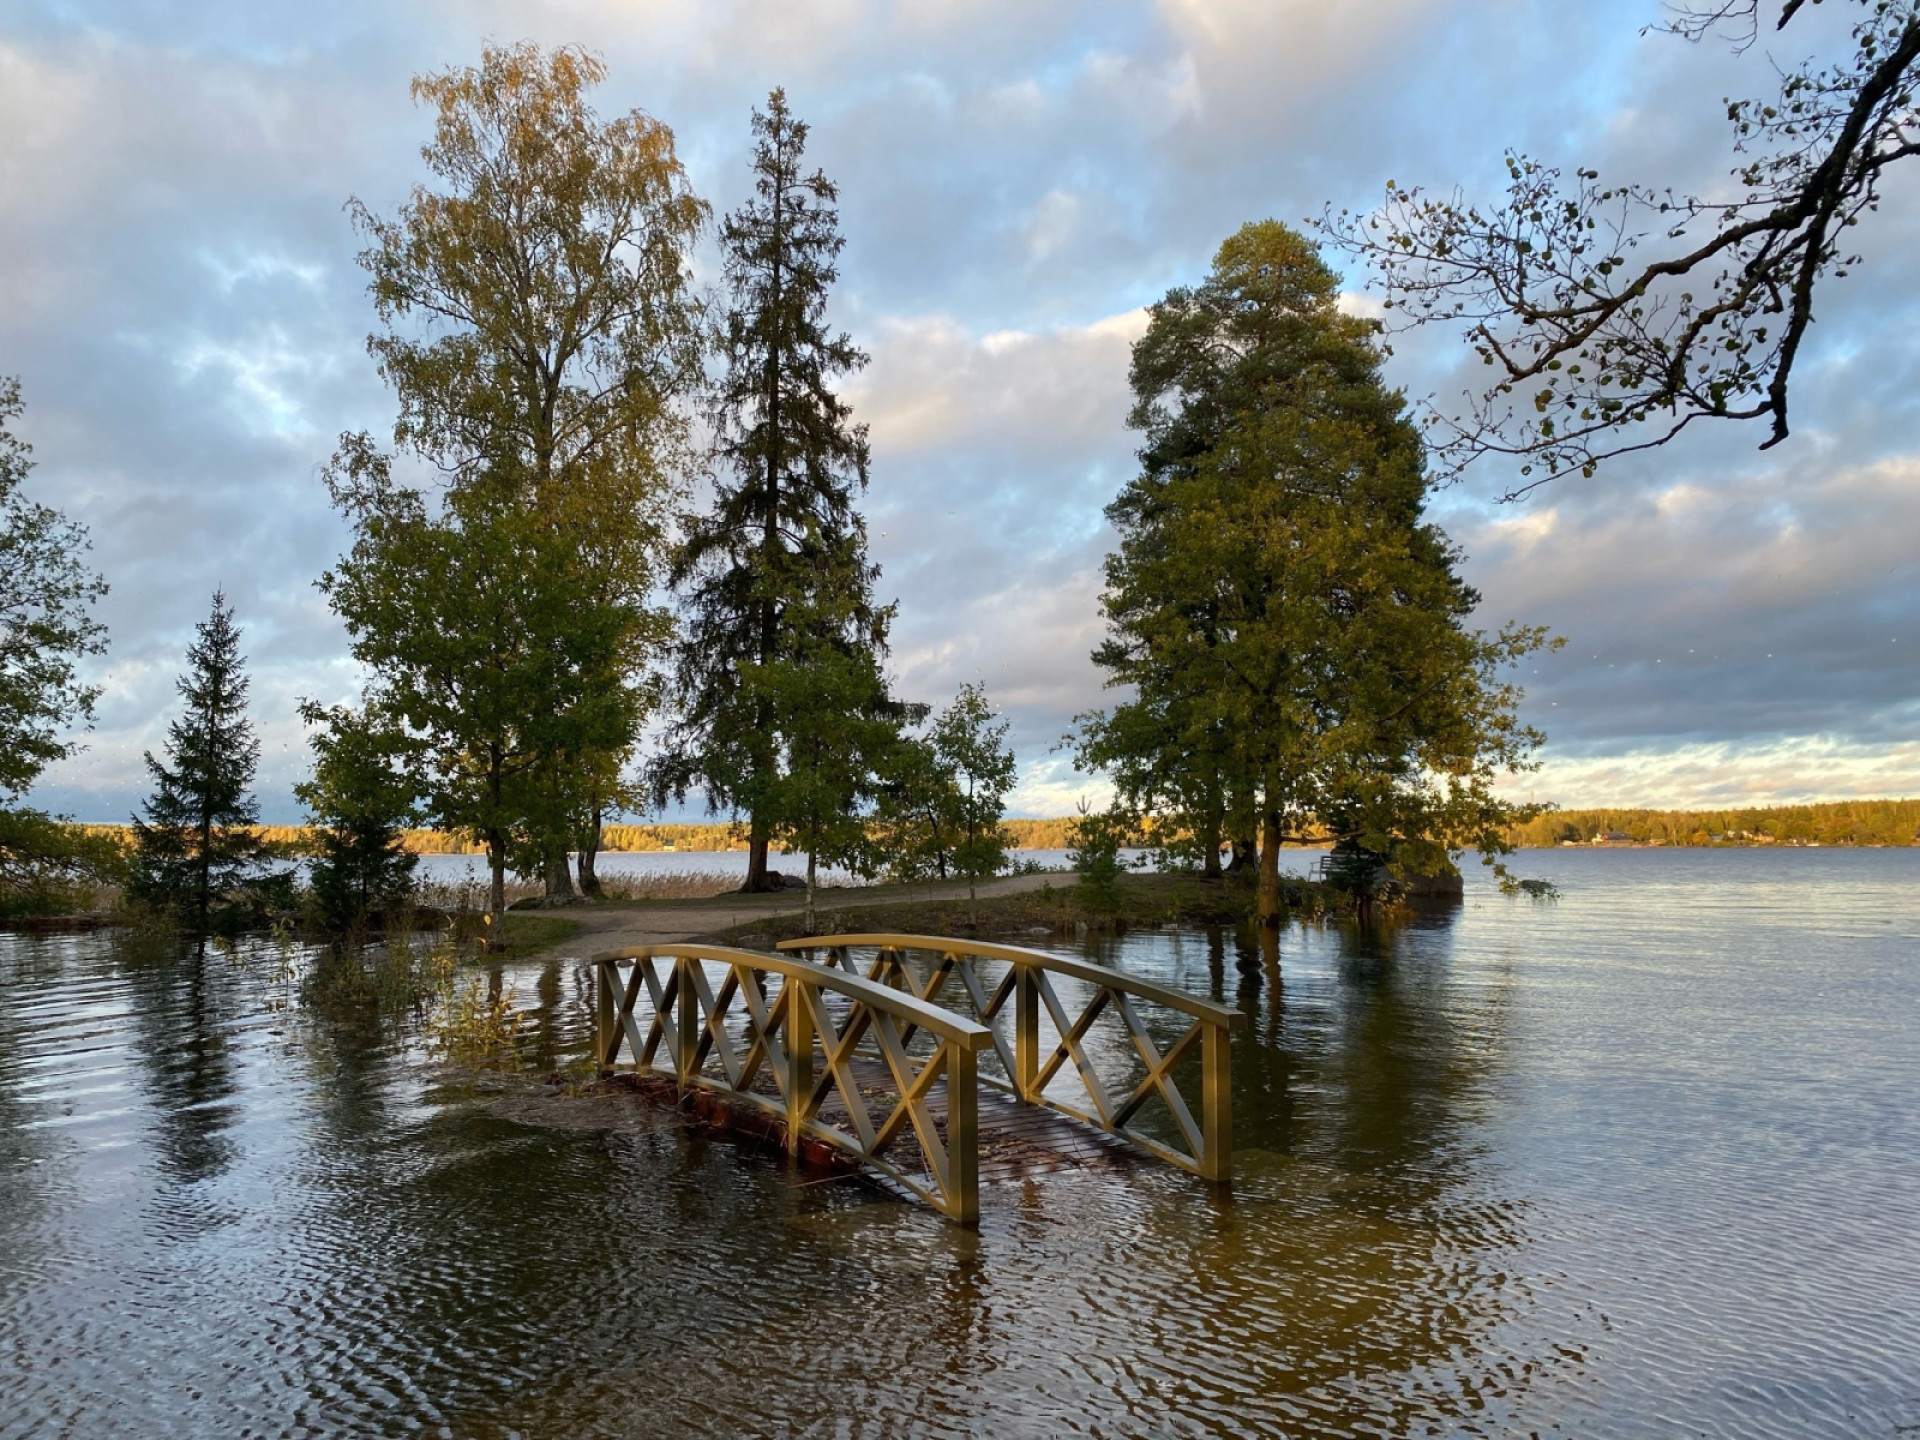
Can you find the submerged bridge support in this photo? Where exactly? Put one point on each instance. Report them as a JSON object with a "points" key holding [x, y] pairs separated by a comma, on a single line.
{"points": [[878, 1066]]}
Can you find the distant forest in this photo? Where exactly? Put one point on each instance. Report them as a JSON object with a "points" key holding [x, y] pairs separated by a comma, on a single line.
{"points": [[631, 839], [1845, 822]]}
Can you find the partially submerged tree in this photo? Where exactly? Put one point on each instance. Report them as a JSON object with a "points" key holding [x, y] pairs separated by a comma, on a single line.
{"points": [[195, 845], [541, 335], [1612, 315], [361, 798], [1291, 625], [46, 626], [782, 553]]}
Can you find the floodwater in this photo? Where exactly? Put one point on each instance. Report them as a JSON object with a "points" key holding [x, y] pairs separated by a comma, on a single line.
{"points": [[1642, 1161]]}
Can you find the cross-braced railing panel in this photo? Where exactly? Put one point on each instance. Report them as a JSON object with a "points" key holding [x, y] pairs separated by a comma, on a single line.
{"points": [[790, 1037], [1025, 999]]}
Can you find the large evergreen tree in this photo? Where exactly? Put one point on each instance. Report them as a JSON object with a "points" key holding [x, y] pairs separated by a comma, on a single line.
{"points": [[195, 847], [1292, 626], [778, 568]]}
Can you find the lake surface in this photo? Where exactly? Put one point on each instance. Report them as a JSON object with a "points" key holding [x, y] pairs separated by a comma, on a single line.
{"points": [[1643, 1161], [471, 870]]}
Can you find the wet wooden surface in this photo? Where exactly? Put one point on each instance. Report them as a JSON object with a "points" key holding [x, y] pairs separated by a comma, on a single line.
{"points": [[1017, 1142]]}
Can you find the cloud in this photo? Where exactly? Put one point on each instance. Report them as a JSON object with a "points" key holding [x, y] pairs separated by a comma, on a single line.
{"points": [[179, 295], [1798, 770]]}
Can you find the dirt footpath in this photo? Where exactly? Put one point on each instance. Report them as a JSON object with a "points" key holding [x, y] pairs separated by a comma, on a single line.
{"points": [[663, 922]]}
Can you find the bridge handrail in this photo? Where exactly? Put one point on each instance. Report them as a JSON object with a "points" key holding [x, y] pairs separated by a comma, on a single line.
{"points": [[775, 1037], [968, 1034], [1102, 975], [1208, 1141]]}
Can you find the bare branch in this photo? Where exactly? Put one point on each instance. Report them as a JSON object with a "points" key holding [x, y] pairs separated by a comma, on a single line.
{"points": [[1588, 342]]}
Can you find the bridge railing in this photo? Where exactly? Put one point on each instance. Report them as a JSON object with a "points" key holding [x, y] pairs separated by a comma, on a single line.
{"points": [[756, 1037], [1025, 986]]}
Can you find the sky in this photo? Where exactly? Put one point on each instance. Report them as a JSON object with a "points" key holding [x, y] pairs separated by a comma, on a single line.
{"points": [[1019, 179]]}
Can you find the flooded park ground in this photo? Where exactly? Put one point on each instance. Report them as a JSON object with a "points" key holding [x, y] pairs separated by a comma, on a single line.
{"points": [[1644, 1160]]}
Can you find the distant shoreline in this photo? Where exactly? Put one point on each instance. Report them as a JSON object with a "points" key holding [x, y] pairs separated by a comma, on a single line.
{"points": [[1859, 824]]}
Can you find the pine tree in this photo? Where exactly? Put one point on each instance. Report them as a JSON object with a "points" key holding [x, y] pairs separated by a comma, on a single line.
{"points": [[1292, 626], [779, 567], [195, 847]]}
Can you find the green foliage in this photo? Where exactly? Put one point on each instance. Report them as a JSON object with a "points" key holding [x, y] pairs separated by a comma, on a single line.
{"points": [[1292, 627], [511, 632], [552, 266], [196, 854], [944, 795], [51, 868], [912, 825], [486, 649], [1098, 837], [46, 592], [973, 751], [775, 577], [362, 798], [833, 726]]}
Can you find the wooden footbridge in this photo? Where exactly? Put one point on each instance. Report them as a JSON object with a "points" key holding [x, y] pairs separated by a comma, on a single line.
{"points": [[913, 1055]]}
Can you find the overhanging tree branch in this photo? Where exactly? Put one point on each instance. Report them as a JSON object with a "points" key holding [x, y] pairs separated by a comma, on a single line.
{"points": [[1587, 342]]}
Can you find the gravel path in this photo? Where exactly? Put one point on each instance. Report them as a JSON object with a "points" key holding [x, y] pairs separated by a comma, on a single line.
{"points": [[663, 922]]}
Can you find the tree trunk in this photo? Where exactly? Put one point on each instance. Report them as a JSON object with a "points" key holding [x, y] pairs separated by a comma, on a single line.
{"points": [[1245, 855], [1209, 847], [973, 903], [589, 879], [1269, 903], [811, 927], [559, 876], [756, 857], [203, 895], [760, 830], [497, 885]]}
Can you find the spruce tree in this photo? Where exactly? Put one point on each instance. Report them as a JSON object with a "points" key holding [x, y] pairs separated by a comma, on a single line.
{"points": [[195, 846], [778, 568]]}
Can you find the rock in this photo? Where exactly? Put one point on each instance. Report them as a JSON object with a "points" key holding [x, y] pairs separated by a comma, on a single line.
{"points": [[546, 902]]}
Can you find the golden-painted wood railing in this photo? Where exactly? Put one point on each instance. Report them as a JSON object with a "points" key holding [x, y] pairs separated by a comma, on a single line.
{"points": [[1027, 982], [770, 1019]]}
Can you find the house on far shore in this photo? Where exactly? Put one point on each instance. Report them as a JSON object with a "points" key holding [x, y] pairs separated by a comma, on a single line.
{"points": [[1614, 837]]}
